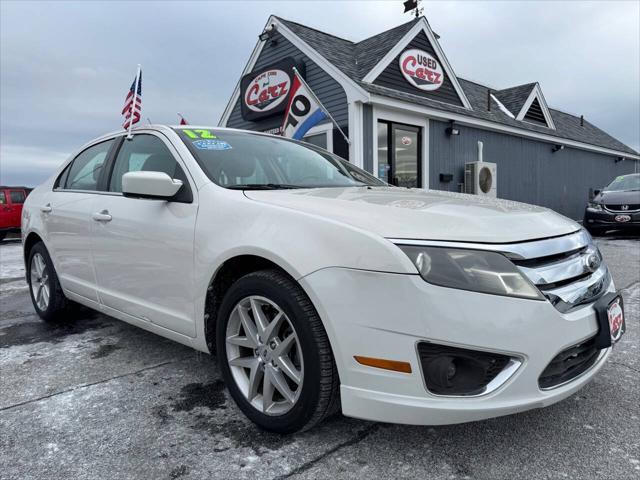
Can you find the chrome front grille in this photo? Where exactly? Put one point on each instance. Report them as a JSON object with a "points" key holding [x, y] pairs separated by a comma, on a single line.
{"points": [[568, 279], [623, 208]]}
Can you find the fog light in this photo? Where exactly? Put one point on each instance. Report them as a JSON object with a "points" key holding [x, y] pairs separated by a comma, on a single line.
{"points": [[458, 371]]}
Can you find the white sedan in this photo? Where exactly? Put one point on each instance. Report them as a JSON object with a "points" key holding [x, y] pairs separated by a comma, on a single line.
{"points": [[318, 286]]}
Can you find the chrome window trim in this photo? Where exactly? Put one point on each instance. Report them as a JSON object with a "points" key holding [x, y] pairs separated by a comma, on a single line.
{"points": [[516, 251], [95, 192]]}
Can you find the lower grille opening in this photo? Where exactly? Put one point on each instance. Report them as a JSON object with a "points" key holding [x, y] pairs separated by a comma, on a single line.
{"points": [[458, 371], [569, 363]]}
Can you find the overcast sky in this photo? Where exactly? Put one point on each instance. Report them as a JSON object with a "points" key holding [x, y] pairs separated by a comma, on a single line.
{"points": [[66, 66]]}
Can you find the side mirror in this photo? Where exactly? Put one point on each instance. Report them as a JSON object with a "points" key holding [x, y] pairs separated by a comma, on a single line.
{"points": [[596, 192], [149, 185]]}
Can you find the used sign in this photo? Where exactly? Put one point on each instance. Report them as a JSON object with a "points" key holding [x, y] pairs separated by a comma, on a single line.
{"points": [[421, 70]]}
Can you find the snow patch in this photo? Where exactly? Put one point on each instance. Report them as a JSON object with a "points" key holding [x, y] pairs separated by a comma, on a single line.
{"points": [[11, 261]]}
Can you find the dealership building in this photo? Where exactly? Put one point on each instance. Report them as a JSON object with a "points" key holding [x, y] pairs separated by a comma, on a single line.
{"points": [[412, 122]]}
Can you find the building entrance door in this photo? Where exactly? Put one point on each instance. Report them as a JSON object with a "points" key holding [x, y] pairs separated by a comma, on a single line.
{"points": [[399, 151]]}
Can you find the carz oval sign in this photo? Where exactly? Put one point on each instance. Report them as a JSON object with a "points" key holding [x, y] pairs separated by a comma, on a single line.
{"points": [[267, 90], [421, 70]]}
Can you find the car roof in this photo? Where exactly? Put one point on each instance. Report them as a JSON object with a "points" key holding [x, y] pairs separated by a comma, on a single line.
{"points": [[160, 127]]}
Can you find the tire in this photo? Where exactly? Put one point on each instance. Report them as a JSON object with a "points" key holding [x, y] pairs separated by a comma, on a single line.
{"points": [[57, 305], [2, 235], [316, 396]]}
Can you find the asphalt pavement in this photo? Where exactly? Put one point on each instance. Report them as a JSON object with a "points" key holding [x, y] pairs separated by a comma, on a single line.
{"points": [[97, 399]]}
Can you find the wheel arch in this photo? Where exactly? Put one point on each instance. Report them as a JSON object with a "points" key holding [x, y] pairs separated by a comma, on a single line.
{"points": [[30, 240], [225, 275]]}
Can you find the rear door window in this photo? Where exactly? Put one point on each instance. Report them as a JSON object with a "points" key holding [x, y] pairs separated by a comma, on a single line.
{"points": [[17, 196], [87, 167]]}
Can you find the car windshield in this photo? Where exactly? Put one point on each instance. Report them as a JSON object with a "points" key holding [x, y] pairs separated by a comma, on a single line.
{"points": [[242, 160], [624, 183]]}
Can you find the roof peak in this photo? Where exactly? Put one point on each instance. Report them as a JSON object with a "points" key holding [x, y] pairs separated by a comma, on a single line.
{"points": [[353, 42], [314, 29]]}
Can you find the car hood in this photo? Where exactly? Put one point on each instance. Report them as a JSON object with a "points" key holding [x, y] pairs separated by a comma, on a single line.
{"points": [[423, 214], [629, 197]]}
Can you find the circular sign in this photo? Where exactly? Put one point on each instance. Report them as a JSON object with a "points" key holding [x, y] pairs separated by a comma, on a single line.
{"points": [[406, 141], [615, 317], [421, 70], [267, 90]]}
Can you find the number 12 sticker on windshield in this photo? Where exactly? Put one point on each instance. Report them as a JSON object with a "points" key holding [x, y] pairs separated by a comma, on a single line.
{"points": [[198, 133]]}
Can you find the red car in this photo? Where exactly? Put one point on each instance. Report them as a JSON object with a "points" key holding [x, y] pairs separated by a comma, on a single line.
{"points": [[11, 200]]}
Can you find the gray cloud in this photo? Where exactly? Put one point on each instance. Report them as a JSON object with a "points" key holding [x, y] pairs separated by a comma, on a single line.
{"points": [[66, 66]]}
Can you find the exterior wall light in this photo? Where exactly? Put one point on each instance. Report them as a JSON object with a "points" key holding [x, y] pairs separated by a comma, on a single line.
{"points": [[557, 148], [452, 130], [268, 33]]}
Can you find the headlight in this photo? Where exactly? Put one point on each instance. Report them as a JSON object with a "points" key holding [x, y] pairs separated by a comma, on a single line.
{"points": [[475, 270], [594, 206]]}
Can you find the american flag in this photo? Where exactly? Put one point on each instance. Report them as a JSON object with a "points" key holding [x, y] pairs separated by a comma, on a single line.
{"points": [[131, 110]]}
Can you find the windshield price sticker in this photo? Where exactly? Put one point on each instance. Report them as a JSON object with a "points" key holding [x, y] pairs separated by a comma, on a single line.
{"points": [[198, 133], [208, 144]]}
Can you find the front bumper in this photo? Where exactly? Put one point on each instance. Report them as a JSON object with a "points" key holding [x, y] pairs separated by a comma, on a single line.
{"points": [[605, 219], [383, 315]]}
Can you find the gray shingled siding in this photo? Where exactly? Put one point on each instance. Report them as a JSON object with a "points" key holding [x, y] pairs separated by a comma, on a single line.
{"points": [[330, 92], [527, 169], [392, 77]]}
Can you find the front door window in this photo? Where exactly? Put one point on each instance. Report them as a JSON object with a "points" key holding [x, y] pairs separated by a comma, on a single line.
{"points": [[399, 154]]}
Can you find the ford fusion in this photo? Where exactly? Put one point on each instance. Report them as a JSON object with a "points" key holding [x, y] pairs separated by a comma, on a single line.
{"points": [[318, 287]]}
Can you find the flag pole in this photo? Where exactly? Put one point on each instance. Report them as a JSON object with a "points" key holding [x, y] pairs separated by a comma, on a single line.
{"points": [[133, 104], [295, 71]]}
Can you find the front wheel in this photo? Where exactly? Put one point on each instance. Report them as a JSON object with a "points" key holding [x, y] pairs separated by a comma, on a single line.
{"points": [[46, 293], [274, 353]]}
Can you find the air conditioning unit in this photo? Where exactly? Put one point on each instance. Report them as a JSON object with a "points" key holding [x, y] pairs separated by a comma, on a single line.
{"points": [[481, 178]]}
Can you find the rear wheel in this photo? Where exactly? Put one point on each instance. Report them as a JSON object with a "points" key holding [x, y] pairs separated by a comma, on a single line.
{"points": [[46, 293], [274, 353]]}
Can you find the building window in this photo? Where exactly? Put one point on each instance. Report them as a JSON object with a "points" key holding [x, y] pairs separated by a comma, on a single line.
{"points": [[319, 140], [321, 136]]}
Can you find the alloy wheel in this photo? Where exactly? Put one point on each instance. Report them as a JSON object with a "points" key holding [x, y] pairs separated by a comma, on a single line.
{"points": [[264, 355], [40, 281]]}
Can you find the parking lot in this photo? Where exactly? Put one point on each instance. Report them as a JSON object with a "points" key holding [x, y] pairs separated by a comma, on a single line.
{"points": [[97, 398]]}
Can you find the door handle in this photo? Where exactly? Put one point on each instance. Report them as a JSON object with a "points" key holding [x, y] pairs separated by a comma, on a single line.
{"points": [[102, 216], [46, 208]]}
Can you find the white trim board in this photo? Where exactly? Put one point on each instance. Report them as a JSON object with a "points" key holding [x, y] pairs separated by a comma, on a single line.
{"points": [[379, 100], [353, 91], [504, 109], [536, 92], [421, 25]]}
